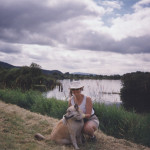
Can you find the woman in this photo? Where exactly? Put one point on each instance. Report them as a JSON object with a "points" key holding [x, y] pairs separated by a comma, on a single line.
{"points": [[91, 122]]}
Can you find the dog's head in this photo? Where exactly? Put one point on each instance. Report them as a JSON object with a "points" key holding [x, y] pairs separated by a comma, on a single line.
{"points": [[73, 112]]}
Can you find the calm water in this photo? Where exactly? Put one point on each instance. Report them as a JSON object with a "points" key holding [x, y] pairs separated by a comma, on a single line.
{"points": [[106, 91]]}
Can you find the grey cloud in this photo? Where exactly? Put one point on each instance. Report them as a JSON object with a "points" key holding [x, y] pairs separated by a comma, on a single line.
{"points": [[145, 58], [95, 60], [101, 42], [91, 41], [27, 21], [135, 45], [70, 66], [9, 48]]}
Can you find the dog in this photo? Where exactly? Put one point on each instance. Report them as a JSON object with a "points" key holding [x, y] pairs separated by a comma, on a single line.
{"points": [[69, 129]]}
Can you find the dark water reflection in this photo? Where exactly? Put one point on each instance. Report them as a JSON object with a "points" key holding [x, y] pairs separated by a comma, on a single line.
{"points": [[106, 91]]}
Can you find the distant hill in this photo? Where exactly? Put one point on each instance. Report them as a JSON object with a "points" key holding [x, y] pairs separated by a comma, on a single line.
{"points": [[9, 66], [6, 65], [51, 71], [82, 73]]}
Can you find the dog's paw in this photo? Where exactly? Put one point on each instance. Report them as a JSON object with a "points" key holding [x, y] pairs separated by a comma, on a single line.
{"points": [[77, 148]]}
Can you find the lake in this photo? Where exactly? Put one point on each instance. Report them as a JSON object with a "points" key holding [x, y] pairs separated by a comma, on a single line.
{"points": [[103, 91]]}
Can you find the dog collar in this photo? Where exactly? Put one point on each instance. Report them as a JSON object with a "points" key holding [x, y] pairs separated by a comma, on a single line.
{"points": [[78, 120]]}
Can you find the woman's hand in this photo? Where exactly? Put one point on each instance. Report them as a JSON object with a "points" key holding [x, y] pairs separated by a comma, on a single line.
{"points": [[86, 115]]}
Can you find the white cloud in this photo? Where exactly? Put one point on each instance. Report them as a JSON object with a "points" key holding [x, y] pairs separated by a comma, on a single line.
{"points": [[112, 4], [131, 25]]}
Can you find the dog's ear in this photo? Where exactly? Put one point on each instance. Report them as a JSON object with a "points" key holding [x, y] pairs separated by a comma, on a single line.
{"points": [[76, 107]]}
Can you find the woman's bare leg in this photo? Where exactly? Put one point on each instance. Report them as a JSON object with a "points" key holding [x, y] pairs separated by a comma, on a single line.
{"points": [[89, 128]]}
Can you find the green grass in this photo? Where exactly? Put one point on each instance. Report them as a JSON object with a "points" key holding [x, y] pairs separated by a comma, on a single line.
{"points": [[35, 101], [123, 124], [114, 121]]}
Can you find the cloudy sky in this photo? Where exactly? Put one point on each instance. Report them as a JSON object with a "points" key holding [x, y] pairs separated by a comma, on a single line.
{"points": [[91, 36]]}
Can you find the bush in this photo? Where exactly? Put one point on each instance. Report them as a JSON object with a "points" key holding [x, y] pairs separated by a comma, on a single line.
{"points": [[135, 93]]}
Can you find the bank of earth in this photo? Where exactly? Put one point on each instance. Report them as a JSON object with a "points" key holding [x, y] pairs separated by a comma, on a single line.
{"points": [[18, 127]]}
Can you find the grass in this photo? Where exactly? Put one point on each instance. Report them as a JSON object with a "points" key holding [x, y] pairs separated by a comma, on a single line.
{"points": [[12, 128], [114, 121], [18, 128], [123, 124], [17, 132]]}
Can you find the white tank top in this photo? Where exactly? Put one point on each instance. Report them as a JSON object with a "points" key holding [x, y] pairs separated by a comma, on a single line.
{"points": [[82, 106]]}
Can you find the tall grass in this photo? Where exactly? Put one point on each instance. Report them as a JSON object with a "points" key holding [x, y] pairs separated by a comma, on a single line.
{"points": [[115, 121], [123, 124], [35, 101]]}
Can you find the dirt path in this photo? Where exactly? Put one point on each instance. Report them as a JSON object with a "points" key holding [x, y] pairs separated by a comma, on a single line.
{"points": [[28, 123]]}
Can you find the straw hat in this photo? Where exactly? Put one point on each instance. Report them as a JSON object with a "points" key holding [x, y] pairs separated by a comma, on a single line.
{"points": [[76, 85]]}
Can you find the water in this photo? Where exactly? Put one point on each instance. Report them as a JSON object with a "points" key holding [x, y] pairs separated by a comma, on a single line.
{"points": [[103, 91]]}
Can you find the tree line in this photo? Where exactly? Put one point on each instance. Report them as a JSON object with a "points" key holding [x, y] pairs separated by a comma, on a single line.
{"points": [[26, 78], [34, 77], [67, 75], [135, 92]]}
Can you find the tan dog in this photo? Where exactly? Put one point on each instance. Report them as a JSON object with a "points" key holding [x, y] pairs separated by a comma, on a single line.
{"points": [[68, 130]]}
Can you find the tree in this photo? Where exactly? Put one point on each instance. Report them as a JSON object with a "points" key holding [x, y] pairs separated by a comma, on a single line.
{"points": [[135, 93], [35, 69]]}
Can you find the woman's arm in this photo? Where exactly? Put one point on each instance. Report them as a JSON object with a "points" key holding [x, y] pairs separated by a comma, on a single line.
{"points": [[89, 107], [69, 103]]}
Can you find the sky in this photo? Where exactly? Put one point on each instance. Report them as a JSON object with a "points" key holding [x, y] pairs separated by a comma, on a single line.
{"points": [[91, 36]]}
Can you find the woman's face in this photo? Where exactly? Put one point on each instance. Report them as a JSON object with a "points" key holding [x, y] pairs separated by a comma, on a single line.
{"points": [[76, 91]]}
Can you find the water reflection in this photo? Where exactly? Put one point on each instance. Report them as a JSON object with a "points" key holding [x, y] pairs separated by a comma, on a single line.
{"points": [[106, 91]]}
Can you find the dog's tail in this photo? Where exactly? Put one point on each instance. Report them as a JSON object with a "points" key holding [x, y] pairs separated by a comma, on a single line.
{"points": [[39, 136]]}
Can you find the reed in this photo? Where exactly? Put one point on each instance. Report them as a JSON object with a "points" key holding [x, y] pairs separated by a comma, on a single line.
{"points": [[114, 121]]}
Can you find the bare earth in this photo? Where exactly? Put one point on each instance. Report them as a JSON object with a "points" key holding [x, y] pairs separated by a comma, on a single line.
{"points": [[19, 133]]}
